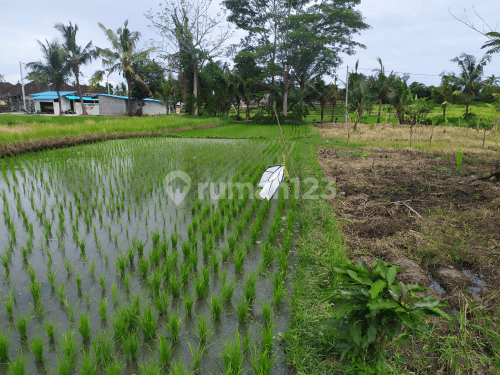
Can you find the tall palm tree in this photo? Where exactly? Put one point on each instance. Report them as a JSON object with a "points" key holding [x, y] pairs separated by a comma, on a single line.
{"points": [[469, 79], [77, 55], [444, 93], [333, 95], [381, 84], [399, 97], [54, 70], [2, 79], [123, 57]]}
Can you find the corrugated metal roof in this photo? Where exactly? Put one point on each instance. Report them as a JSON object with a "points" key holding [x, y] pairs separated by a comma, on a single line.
{"points": [[126, 97], [51, 95]]}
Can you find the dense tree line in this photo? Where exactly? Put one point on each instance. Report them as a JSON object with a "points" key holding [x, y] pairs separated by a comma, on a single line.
{"points": [[289, 50]]}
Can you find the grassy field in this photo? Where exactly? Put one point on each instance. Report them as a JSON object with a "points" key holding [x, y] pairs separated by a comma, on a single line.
{"points": [[17, 128], [445, 139]]}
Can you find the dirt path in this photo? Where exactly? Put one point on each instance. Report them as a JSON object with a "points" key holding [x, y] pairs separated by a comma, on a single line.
{"points": [[417, 210]]}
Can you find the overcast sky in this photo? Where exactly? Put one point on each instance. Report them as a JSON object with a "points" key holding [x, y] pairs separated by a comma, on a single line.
{"points": [[414, 36]]}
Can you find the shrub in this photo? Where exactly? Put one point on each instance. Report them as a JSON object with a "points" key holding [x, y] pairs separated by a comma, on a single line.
{"points": [[373, 309]]}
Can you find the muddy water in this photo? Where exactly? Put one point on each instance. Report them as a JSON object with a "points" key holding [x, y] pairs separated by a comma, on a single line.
{"points": [[95, 169]]}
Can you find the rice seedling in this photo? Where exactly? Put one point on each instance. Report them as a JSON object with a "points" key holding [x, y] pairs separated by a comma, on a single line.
{"points": [[196, 355], [154, 282], [228, 290], [188, 299], [231, 240], [130, 345], [262, 361], [161, 302], [68, 344], [193, 259], [200, 287], [102, 345], [214, 262], [84, 325], [70, 309], [5, 260], [250, 281], [215, 306], [79, 281], [49, 328], [36, 291], [204, 328], [114, 293], [267, 254], [224, 251], [254, 232], [239, 258], [51, 276], [175, 285], [242, 310], [278, 294], [179, 369], [147, 322], [9, 304], [131, 256], [164, 351], [102, 308], [143, 267], [121, 263], [4, 346], [232, 357], [174, 325], [22, 325], [36, 347], [17, 367], [88, 365], [283, 260], [246, 340], [68, 266], [267, 333], [173, 239]]}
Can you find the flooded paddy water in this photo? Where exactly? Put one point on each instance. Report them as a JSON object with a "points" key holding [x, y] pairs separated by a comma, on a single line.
{"points": [[141, 256]]}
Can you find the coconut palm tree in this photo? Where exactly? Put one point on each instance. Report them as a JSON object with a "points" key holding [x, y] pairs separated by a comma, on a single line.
{"points": [[123, 57], [54, 70], [493, 43], [444, 93], [469, 79], [76, 55], [381, 85], [333, 96], [399, 96]]}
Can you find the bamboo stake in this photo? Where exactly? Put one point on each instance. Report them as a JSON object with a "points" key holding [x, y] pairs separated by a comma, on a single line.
{"points": [[291, 163]]}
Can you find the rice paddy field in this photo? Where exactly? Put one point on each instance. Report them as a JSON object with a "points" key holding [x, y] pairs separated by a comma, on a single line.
{"points": [[113, 262]]}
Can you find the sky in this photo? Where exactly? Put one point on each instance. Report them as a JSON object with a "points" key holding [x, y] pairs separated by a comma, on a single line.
{"points": [[410, 36]]}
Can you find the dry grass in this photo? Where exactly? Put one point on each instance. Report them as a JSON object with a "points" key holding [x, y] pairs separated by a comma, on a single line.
{"points": [[446, 139]]}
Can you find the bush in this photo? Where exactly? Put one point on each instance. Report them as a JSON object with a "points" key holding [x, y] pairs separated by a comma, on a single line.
{"points": [[373, 309]]}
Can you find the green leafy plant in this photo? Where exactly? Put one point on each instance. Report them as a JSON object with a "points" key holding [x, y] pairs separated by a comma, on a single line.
{"points": [[373, 308]]}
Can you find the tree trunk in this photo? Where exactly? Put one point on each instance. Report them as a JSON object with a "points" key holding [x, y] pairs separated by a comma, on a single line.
{"points": [[333, 110], [467, 106], [444, 111], [129, 100], [84, 111], [247, 118], [60, 106], [195, 91], [322, 111], [379, 109]]}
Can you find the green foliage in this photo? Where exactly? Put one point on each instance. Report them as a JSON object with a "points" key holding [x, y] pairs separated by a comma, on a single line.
{"points": [[373, 309]]}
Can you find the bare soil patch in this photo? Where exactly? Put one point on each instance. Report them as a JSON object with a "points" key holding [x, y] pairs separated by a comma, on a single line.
{"points": [[415, 209]]}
